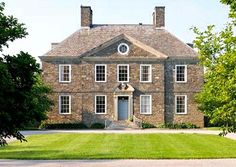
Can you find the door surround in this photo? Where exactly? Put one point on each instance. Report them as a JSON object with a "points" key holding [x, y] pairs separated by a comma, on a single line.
{"points": [[123, 90]]}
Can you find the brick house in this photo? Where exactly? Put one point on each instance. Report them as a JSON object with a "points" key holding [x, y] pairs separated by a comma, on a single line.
{"points": [[114, 72]]}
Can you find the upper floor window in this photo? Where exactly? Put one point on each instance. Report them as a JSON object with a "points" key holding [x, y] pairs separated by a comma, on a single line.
{"points": [[123, 73], [65, 104], [123, 49], [100, 73], [145, 104], [100, 104], [181, 73], [145, 73], [181, 104], [64, 73]]}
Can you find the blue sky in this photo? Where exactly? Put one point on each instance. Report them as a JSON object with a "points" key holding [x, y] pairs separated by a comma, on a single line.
{"points": [[53, 20]]}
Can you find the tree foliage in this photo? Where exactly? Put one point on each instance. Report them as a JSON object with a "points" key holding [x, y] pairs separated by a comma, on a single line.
{"points": [[232, 5], [23, 96], [217, 52], [10, 29]]}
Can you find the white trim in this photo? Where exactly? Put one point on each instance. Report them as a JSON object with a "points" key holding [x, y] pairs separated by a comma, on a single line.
{"points": [[125, 53], [69, 105], [96, 72], [140, 101], [185, 73], [95, 107], [62, 65], [140, 73], [185, 103], [118, 65]]}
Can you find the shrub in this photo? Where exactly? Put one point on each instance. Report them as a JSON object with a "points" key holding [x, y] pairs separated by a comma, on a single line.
{"points": [[131, 119], [78, 125], [179, 126], [147, 125], [97, 126]]}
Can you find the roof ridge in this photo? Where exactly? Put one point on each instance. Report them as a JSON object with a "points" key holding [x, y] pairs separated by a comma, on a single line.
{"points": [[156, 41]]}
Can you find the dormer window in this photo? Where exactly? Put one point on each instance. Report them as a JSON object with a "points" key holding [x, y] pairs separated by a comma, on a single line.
{"points": [[123, 49]]}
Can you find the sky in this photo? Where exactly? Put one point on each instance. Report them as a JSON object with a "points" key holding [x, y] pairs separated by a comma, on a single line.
{"points": [[50, 21]]}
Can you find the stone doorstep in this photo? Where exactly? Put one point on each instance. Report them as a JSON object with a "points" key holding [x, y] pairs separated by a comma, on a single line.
{"points": [[122, 125]]}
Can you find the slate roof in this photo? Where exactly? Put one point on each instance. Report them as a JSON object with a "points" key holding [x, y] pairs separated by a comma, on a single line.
{"points": [[85, 40]]}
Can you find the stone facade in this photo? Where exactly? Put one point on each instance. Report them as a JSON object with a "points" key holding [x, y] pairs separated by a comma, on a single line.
{"points": [[83, 88]]}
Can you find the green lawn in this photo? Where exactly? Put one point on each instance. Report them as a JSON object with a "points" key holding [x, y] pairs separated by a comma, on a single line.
{"points": [[120, 146]]}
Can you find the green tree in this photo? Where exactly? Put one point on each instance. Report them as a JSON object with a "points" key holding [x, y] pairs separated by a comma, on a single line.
{"points": [[23, 96], [217, 53]]}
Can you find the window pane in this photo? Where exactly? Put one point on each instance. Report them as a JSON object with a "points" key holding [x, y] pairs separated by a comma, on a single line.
{"points": [[100, 73], [180, 104], [180, 73], [123, 73], [100, 104], [65, 104], [145, 104], [65, 72], [145, 73]]}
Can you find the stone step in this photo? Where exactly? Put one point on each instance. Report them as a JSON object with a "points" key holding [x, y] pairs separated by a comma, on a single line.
{"points": [[119, 125]]}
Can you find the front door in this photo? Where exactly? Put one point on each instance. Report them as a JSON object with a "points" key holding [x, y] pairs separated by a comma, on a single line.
{"points": [[123, 103]]}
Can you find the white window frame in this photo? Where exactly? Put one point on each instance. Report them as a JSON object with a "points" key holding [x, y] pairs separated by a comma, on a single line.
{"points": [[69, 105], [150, 75], [185, 103], [96, 105], [60, 79], [185, 73], [127, 73], [149, 104], [96, 72]]}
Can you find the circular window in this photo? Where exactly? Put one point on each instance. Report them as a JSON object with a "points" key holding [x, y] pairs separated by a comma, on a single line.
{"points": [[123, 48]]}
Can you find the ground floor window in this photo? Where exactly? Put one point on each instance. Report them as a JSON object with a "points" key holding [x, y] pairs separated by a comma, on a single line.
{"points": [[145, 104], [64, 104], [181, 104], [100, 104]]}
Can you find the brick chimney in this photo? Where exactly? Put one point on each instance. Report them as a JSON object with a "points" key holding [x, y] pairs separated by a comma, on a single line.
{"points": [[159, 17], [86, 16]]}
